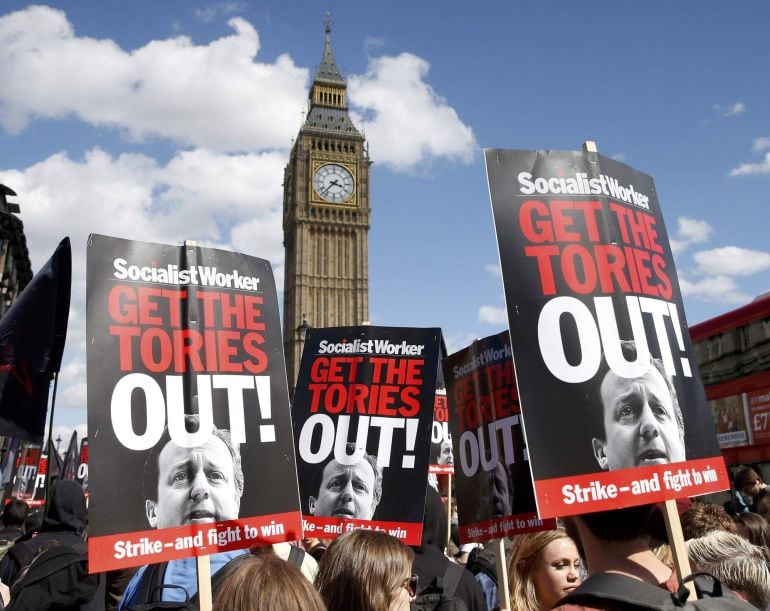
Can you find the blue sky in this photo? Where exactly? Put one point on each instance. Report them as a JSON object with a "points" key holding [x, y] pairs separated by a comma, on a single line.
{"points": [[166, 121]]}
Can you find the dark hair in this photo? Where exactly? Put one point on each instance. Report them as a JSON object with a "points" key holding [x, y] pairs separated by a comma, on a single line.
{"points": [[754, 528], [152, 471], [266, 582], [595, 406], [15, 512], [363, 570], [34, 521], [372, 460], [703, 518], [624, 524], [745, 476]]}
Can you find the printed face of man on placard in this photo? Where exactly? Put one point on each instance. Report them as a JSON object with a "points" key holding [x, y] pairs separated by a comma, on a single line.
{"points": [[445, 456], [641, 421], [194, 485], [348, 491]]}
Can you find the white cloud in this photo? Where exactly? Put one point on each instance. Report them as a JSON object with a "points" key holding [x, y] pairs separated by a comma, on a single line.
{"points": [[690, 231], [207, 14], [214, 96], [731, 110], [494, 269], [228, 201], [720, 289], [732, 261], [62, 434], [459, 341], [407, 122], [763, 167], [492, 315], [761, 143]]}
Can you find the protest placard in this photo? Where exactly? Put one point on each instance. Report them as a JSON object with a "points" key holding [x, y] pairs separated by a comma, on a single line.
{"points": [[190, 438], [494, 489], [441, 453], [362, 414], [614, 409]]}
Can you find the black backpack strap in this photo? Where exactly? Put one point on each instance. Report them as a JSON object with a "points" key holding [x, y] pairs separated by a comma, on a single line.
{"points": [[296, 556], [633, 593], [452, 577], [153, 577]]}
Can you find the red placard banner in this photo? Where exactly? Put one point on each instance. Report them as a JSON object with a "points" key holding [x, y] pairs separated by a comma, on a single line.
{"points": [[187, 404], [606, 373], [759, 415]]}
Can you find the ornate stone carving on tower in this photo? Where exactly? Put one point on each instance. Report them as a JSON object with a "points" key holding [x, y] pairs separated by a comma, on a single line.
{"points": [[325, 217]]}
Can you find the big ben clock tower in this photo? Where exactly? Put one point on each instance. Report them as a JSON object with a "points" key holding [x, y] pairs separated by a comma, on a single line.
{"points": [[325, 217]]}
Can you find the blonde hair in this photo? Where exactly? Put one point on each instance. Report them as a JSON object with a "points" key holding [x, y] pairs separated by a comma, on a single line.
{"points": [[363, 570], [527, 550]]}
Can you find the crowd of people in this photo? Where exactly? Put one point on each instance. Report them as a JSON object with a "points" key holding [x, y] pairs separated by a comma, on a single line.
{"points": [[616, 559]]}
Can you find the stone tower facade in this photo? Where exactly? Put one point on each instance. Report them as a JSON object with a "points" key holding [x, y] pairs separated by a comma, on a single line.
{"points": [[325, 217]]}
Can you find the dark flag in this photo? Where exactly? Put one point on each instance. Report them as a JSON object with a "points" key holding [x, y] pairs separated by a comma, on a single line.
{"points": [[54, 462], [71, 459], [32, 335]]}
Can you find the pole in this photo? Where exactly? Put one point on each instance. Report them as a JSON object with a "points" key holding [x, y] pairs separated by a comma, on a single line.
{"points": [[678, 547], [203, 563], [204, 582], [50, 441], [502, 575], [670, 514], [448, 511]]}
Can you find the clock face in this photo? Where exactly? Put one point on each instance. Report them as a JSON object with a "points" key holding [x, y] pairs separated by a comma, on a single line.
{"points": [[333, 183]]}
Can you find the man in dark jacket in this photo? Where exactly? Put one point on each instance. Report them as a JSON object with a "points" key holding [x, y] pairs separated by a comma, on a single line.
{"points": [[430, 561], [63, 525]]}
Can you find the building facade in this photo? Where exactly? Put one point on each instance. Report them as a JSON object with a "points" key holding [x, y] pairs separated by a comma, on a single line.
{"points": [[15, 267], [326, 212]]}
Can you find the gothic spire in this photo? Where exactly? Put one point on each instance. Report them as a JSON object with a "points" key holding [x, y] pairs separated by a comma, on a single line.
{"points": [[328, 70]]}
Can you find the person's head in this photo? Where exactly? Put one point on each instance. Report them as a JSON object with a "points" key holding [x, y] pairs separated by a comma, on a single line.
{"points": [[15, 512], [544, 567], [348, 491], [748, 482], [34, 522], [266, 582], [635, 421], [617, 525], [67, 510], [754, 528], [445, 456], [367, 571], [738, 564], [193, 485], [703, 518]]}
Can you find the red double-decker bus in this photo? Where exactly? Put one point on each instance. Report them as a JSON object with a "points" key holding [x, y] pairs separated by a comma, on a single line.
{"points": [[733, 353]]}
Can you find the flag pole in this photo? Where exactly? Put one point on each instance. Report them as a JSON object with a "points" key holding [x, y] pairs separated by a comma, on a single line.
{"points": [[50, 442]]}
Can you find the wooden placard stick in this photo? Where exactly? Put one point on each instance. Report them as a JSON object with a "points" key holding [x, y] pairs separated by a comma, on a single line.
{"points": [[204, 582], [502, 575], [448, 512], [678, 547], [670, 514], [203, 563]]}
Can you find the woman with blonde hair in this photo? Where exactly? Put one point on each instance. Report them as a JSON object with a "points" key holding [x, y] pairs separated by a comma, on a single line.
{"points": [[261, 582], [367, 570], [544, 567]]}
